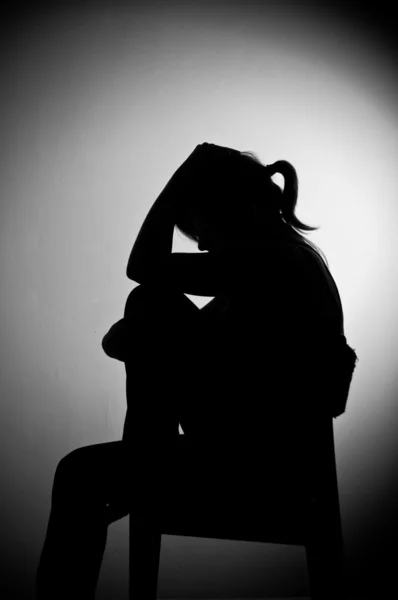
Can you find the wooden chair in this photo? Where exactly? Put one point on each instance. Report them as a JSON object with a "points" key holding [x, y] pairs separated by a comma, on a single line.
{"points": [[309, 517]]}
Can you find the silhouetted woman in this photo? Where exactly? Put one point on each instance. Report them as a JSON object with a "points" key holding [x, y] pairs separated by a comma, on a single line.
{"points": [[243, 376]]}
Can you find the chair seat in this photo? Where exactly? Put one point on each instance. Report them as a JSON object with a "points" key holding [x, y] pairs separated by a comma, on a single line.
{"points": [[222, 510], [285, 526]]}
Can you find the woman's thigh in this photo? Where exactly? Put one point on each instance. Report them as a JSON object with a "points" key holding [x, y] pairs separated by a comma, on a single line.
{"points": [[144, 478], [98, 473]]}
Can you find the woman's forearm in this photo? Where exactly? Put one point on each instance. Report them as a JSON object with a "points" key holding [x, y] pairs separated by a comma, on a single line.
{"points": [[155, 238]]}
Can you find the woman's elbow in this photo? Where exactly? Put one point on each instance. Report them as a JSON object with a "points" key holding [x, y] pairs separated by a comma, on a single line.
{"points": [[112, 349], [133, 273]]}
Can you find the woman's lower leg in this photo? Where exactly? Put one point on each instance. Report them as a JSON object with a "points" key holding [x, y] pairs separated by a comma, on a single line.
{"points": [[158, 365], [74, 546]]}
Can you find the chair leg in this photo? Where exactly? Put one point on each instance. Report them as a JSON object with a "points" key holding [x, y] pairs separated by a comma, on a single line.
{"points": [[144, 558], [325, 569]]}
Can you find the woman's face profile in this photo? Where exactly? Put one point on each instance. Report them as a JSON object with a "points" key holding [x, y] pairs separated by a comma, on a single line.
{"points": [[212, 237], [208, 237]]}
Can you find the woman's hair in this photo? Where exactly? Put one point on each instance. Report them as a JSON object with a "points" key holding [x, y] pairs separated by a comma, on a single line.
{"points": [[236, 192]]}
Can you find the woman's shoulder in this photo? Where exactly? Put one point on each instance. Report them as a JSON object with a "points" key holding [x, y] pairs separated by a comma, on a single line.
{"points": [[321, 277], [268, 249], [284, 258], [317, 264]]}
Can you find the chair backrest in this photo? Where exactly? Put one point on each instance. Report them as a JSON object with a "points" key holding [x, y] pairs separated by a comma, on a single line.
{"points": [[283, 509]]}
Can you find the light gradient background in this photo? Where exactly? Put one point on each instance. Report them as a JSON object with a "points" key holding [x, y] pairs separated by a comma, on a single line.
{"points": [[101, 102]]}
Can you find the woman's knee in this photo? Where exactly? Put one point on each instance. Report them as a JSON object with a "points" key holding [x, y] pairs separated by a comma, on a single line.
{"points": [[152, 300], [70, 469]]}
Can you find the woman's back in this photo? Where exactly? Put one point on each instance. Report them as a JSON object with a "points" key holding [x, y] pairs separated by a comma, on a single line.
{"points": [[256, 342]]}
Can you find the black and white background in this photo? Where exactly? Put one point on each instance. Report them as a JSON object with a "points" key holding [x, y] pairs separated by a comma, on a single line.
{"points": [[100, 103]]}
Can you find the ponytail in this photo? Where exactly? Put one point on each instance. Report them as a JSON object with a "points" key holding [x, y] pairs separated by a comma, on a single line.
{"points": [[289, 194]]}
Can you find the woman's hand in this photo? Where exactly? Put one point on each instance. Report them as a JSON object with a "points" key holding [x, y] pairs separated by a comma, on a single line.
{"points": [[196, 171], [184, 178]]}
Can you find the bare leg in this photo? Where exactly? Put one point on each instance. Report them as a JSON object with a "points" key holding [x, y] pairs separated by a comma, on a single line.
{"points": [[92, 488], [92, 485], [95, 486]]}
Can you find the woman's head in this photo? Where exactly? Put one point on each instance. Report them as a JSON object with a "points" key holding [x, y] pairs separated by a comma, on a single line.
{"points": [[234, 198]]}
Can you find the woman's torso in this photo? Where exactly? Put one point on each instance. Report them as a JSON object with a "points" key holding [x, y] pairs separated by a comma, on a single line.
{"points": [[251, 339], [309, 300]]}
